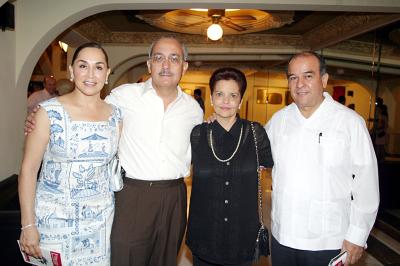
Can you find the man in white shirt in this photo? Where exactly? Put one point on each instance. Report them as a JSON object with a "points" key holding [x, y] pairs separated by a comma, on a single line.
{"points": [[318, 208], [49, 91], [150, 212]]}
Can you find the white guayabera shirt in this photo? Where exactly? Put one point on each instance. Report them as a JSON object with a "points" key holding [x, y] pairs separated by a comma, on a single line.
{"points": [[315, 159]]}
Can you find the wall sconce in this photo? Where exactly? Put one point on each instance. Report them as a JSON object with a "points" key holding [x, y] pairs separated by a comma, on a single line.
{"points": [[63, 46]]}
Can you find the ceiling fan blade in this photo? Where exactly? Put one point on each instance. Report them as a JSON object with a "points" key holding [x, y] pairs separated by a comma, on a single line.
{"points": [[190, 13], [195, 24], [230, 24], [242, 17]]}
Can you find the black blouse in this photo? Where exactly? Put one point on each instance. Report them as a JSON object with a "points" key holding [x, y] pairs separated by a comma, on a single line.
{"points": [[223, 213]]}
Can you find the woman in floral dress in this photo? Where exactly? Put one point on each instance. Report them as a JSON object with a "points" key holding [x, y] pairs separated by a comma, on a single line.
{"points": [[70, 208]]}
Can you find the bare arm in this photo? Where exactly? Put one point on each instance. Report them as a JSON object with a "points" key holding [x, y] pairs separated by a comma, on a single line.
{"points": [[35, 146]]}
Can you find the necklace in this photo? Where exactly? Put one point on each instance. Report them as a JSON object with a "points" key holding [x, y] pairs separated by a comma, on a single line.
{"points": [[234, 152]]}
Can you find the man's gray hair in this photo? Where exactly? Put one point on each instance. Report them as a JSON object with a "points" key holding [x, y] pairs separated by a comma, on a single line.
{"points": [[184, 49]]}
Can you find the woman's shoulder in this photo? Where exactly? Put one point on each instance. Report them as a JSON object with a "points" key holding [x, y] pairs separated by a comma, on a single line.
{"points": [[258, 128], [50, 102], [116, 112], [196, 131], [256, 125], [53, 108]]}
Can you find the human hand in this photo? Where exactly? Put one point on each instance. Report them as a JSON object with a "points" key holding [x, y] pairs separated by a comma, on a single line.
{"points": [[29, 241], [211, 118], [30, 121], [354, 252]]}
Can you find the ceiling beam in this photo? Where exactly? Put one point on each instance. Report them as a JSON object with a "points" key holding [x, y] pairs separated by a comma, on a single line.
{"points": [[345, 27]]}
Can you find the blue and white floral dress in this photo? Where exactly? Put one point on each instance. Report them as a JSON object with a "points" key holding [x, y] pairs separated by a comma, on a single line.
{"points": [[74, 203]]}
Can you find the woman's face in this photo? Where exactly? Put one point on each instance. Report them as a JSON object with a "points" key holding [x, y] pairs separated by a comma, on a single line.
{"points": [[90, 71], [226, 98]]}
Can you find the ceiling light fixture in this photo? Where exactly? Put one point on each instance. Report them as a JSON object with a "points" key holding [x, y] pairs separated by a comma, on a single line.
{"points": [[215, 32], [63, 46]]}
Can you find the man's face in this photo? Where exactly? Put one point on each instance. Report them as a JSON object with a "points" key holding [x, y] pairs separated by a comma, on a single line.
{"points": [[305, 83], [50, 85], [167, 64]]}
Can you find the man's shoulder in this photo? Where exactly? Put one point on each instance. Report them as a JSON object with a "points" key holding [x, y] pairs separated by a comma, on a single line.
{"points": [[189, 98], [129, 88], [277, 118], [192, 104], [340, 110], [36, 94], [278, 115]]}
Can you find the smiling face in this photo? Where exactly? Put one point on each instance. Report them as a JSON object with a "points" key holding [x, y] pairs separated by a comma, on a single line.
{"points": [[167, 64], [226, 99], [306, 84], [90, 71]]}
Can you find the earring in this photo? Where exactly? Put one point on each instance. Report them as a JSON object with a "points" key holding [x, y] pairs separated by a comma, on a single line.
{"points": [[71, 79], [106, 82]]}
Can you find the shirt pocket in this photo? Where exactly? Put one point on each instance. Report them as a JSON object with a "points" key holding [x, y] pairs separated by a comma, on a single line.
{"points": [[325, 218], [332, 151]]}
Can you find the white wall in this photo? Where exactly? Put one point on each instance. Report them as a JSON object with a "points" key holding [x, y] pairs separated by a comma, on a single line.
{"points": [[13, 108]]}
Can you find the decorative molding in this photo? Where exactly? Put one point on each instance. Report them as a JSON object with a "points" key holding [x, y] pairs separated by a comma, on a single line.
{"points": [[96, 31], [344, 27], [93, 30], [366, 49]]}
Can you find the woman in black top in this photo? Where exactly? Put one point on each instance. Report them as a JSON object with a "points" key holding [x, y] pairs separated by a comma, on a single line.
{"points": [[223, 215]]}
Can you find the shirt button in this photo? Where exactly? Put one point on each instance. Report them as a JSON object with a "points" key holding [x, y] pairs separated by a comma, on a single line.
{"points": [[226, 201], [226, 183], [225, 219], [228, 163]]}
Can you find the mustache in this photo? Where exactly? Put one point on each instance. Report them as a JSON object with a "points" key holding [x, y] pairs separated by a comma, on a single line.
{"points": [[164, 72]]}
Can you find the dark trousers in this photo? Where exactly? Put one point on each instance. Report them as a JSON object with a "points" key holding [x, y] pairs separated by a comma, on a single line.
{"points": [[282, 255], [149, 223], [199, 262]]}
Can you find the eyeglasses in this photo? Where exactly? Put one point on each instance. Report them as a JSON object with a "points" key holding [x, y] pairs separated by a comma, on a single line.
{"points": [[159, 59]]}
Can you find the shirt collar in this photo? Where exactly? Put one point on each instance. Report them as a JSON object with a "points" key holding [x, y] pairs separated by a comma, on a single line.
{"points": [[234, 131], [321, 107], [148, 87], [327, 96]]}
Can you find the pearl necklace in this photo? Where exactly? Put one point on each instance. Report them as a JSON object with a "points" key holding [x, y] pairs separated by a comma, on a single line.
{"points": [[234, 152]]}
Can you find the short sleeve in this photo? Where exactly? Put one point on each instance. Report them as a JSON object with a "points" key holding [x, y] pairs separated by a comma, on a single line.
{"points": [[117, 113]]}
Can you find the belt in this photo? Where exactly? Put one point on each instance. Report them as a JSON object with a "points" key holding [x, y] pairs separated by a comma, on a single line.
{"points": [[153, 183]]}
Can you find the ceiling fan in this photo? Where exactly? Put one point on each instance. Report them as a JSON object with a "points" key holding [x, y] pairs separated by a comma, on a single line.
{"points": [[237, 21], [219, 16]]}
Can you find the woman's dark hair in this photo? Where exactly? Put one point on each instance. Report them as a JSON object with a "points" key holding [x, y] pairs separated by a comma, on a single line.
{"points": [[89, 45], [229, 73]]}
